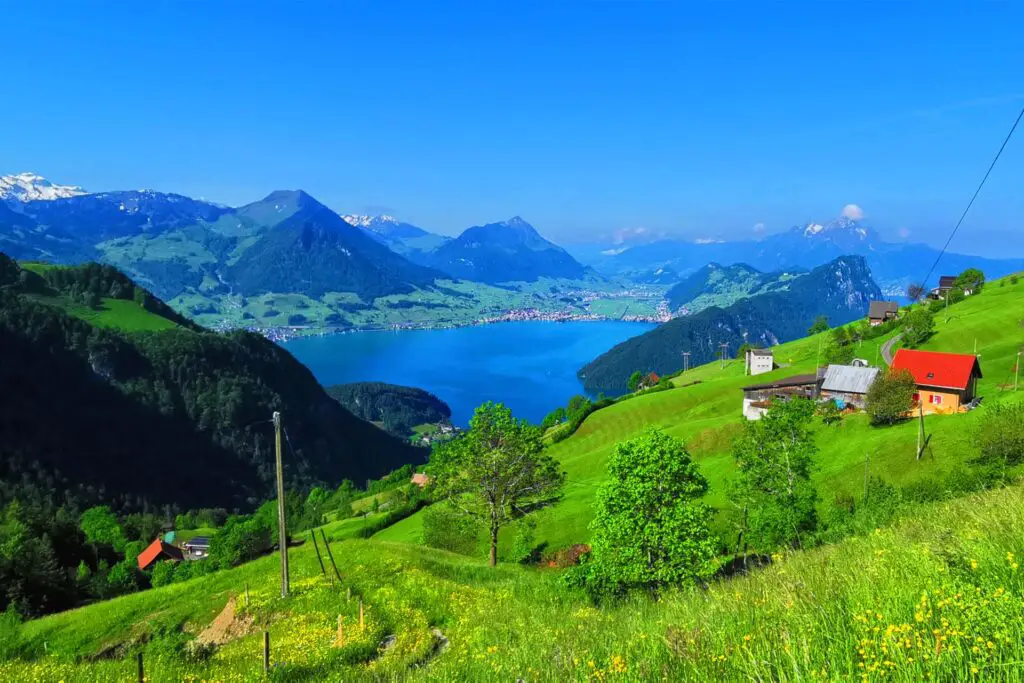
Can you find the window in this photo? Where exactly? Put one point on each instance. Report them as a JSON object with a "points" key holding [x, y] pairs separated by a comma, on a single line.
{"points": [[936, 399]]}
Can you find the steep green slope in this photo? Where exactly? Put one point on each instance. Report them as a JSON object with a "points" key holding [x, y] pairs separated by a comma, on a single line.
{"points": [[912, 601], [177, 416], [706, 415], [399, 409], [715, 285]]}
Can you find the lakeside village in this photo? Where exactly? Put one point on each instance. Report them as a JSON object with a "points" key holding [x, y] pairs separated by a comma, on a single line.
{"points": [[283, 333]]}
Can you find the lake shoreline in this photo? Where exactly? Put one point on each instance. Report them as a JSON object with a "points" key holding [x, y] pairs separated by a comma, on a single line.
{"points": [[284, 334]]}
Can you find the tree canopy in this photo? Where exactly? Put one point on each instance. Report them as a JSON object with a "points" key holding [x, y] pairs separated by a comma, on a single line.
{"points": [[496, 472]]}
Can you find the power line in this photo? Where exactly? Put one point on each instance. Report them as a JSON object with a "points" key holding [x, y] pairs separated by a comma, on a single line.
{"points": [[924, 281]]}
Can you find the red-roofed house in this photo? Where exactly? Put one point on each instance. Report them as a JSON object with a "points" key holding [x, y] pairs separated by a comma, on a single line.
{"points": [[946, 382], [158, 550]]}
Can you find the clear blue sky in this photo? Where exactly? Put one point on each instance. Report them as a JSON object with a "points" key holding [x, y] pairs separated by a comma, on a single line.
{"points": [[699, 120]]}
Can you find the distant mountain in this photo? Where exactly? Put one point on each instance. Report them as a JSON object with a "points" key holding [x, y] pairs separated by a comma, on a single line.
{"points": [[508, 251], [840, 289], [286, 243], [25, 187], [313, 251], [716, 285], [406, 239], [147, 409], [803, 246]]}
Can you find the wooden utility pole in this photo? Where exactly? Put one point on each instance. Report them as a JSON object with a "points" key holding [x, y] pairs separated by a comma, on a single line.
{"points": [[282, 529], [1016, 372]]}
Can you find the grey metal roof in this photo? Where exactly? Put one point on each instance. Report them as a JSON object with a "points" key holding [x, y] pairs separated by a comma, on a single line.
{"points": [[198, 542], [761, 352], [878, 309], [849, 379]]}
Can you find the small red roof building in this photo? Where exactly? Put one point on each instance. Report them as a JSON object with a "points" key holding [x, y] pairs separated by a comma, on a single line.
{"points": [[158, 550], [941, 370], [421, 479]]}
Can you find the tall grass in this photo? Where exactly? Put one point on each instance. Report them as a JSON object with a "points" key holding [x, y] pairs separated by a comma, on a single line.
{"points": [[937, 596]]}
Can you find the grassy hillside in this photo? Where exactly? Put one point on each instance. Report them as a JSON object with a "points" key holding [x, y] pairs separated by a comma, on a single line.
{"points": [[936, 596], [707, 417]]}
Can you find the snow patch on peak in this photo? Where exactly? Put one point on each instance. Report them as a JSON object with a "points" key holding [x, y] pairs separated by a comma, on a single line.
{"points": [[369, 222], [26, 187], [813, 229]]}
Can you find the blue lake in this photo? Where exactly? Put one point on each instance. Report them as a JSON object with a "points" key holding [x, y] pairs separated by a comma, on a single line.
{"points": [[529, 366]]}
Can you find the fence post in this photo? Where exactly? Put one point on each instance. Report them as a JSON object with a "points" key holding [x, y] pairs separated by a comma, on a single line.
{"points": [[266, 652], [142, 670], [246, 593], [341, 630], [361, 614]]}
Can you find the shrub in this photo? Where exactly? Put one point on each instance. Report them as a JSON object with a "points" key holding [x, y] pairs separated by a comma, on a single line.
{"points": [[1000, 436], [891, 397], [446, 529], [829, 412]]}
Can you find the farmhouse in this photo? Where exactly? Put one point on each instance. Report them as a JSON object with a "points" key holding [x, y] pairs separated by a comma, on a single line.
{"points": [[196, 548], [882, 311], [759, 361], [158, 550], [847, 385], [946, 382], [946, 283], [757, 398]]}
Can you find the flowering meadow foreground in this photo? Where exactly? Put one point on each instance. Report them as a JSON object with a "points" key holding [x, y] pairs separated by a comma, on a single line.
{"points": [[937, 596]]}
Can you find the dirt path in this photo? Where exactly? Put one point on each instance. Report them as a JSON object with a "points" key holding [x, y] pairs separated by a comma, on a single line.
{"points": [[225, 627]]}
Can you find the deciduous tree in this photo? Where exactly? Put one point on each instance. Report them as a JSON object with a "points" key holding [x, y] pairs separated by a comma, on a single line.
{"points": [[651, 528], [775, 456], [496, 472], [891, 397]]}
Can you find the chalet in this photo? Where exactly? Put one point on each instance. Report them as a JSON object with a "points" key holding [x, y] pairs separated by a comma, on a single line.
{"points": [[421, 479], [882, 311], [946, 283], [196, 548], [759, 361], [848, 385], [158, 550], [946, 382], [757, 398]]}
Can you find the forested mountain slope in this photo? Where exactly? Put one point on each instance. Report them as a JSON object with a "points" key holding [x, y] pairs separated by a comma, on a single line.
{"points": [[97, 408], [840, 290]]}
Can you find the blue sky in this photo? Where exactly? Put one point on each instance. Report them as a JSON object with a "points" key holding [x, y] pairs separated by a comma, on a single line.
{"points": [[696, 120]]}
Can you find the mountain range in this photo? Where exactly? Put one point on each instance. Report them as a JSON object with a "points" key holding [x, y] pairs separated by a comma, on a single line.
{"points": [[285, 243], [894, 266], [841, 290]]}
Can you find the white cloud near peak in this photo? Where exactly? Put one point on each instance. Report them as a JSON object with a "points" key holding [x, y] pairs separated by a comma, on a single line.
{"points": [[853, 212]]}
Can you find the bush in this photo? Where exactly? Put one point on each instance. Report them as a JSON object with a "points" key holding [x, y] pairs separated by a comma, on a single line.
{"points": [[10, 634], [891, 397], [446, 529], [1000, 436], [829, 412]]}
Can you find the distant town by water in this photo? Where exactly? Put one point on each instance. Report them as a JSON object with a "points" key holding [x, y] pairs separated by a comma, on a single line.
{"points": [[530, 366]]}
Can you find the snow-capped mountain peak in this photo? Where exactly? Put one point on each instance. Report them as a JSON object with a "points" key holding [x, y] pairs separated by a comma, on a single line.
{"points": [[25, 187], [369, 222], [842, 227]]}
